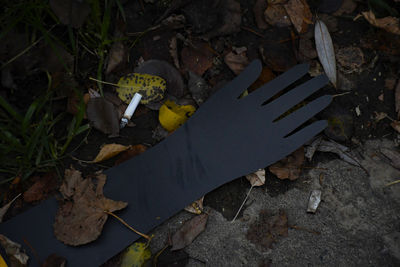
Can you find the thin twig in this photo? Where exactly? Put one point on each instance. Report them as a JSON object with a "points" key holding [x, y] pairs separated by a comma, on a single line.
{"points": [[392, 183], [127, 225], [241, 206], [252, 31], [341, 94]]}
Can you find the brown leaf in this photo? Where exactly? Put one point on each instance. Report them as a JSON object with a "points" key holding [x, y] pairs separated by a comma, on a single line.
{"points": [[397, 99], [70, 12], [347, 7], [393, 155], [54, 261], [299, 14], [133, 151], [390, 83], [306, 49], [237, 60], [289, 167], [189, 231], [268, 228], [103, 115], [41, 188], [108, 151], [276, 15], [118, 52], [396, 125], [197, 59], [257, 178], [13, 251], [81, 221], [72, 178], [390, 24], [258, 11], [196, 207], [173, 50]]}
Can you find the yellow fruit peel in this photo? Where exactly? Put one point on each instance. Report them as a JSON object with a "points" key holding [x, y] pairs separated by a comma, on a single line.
{"points": [[172, 115]]}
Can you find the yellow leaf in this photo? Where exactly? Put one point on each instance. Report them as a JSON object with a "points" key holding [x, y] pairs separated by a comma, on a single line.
{"points": [[151, 87], [2, 262], [136, 255], [171, 115], [108, 151]]}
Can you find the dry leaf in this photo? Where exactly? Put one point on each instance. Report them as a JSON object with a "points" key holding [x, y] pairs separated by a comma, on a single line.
{"points": [[325, 51], [70, 12], [54, 261], [258, 11], [299, 14], [237, 60], [133, 151], [340, 150], [72, 178], [397, 99], [103, 115], [116, 56], [390, 83], [197, 58], [81, 221], [4, 209], [196, 207], [393, 155], [289, 167], [276, 15], [306, 49], [136, 255], [41, 188], [265, 76], [175, 84], [396, 125], [189, 231], [268, 228], [108, 151], [390, 24], [380, 116], [173, 50], [347, 7], [13, 251], [257, 178]]}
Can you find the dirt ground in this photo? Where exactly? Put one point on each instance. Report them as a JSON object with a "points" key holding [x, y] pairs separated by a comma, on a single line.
{"points": [[358, 220]]}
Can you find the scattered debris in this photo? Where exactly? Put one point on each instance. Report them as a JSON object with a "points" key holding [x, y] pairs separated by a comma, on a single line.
{"points": [[397, 99], [136, 255], [390, 24], [350, 59], [196, 207], [81, 220], [16, 257], [396, 125], [255, 179], [325, 51], [173, 50], [315, 199], [108, 151], [289, 167], [268, 228], [338, 149], [189, 231], [380, 116], [4, 209], [358, 111], [237, 59], [172, 115], [41, 188]]}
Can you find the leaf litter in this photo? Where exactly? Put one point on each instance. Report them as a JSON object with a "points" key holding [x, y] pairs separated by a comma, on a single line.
{"points": [[80, 219], [16, 256], [189, 231]]}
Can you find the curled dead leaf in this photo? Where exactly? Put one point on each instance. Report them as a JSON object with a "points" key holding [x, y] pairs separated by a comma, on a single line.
{"points": [[289, 167], [108, 151], [133, 151], [196, 207], [390, 24], [237, 60], [299, 14], [257, 178], [13, 251]]}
